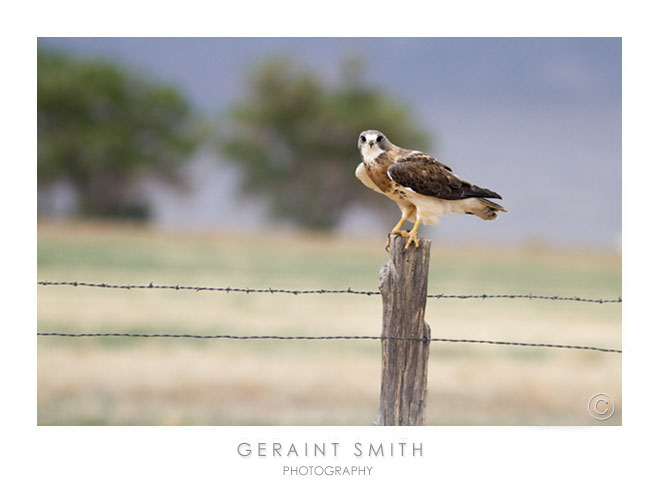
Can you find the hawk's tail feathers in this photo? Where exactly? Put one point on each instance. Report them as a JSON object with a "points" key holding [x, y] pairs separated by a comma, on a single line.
{"points": [[486, 209]]}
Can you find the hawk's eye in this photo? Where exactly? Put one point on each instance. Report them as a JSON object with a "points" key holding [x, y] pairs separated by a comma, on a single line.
{"points": [[363, 138], [379, 139]]}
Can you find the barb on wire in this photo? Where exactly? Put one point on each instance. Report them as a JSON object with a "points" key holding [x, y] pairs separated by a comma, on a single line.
{"points": [[336, 337], [178, 287]]}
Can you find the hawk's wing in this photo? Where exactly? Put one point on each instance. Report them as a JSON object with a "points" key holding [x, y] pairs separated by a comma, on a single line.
{"points": [[426, 175]]}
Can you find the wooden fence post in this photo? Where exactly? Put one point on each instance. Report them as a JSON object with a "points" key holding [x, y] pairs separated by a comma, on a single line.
{"points": [[404, 286]]}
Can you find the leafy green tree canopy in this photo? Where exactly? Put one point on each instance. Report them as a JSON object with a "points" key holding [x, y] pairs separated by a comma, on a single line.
{"points": [[295, 137], [101, 127]]}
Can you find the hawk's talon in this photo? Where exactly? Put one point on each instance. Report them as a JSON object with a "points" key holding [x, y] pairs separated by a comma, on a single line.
{"points": [[412, 238], [402, 233]]}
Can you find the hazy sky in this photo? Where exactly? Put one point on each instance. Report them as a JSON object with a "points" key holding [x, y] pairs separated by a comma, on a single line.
{"points": [[538, 120]]}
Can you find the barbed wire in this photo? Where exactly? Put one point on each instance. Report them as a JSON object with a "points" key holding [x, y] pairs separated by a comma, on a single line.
{"points": [[178, 287], [336, 337]]}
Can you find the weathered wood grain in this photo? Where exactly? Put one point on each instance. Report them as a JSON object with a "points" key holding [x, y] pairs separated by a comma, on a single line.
{"points": [[404, 283]]}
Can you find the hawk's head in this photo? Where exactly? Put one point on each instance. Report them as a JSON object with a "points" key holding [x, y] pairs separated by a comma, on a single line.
{"points": [[372, 143]]}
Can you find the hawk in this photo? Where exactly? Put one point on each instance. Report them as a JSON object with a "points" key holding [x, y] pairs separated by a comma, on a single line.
{"points": [[423, 188]]}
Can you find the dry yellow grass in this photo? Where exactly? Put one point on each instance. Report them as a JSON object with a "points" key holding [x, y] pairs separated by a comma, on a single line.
{"points": [[159, 381]]}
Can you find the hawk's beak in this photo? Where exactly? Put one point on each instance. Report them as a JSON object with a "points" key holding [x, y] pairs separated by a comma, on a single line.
{"points": [[370, 143]]}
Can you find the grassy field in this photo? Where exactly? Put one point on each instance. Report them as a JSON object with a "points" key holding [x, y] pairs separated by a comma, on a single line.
{"points": [[137, 381]]}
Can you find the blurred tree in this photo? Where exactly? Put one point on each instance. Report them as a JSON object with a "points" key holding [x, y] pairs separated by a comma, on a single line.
{"points": [[100, 128], [295, 137]]}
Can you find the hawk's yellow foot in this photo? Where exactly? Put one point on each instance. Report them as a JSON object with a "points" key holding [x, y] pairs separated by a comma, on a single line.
{"points": [[412, 238], [402, 233], [412, 235]]}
